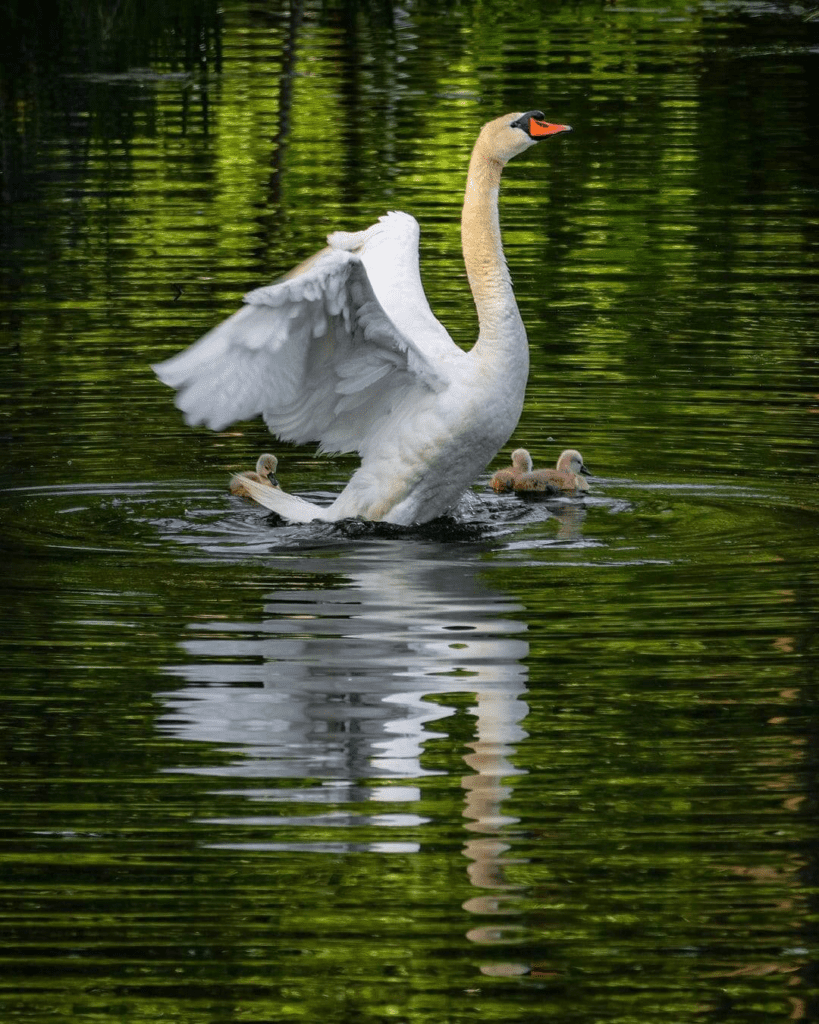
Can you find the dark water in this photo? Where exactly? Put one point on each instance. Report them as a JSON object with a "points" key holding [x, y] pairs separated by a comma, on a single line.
{"points": [[538, 761]]}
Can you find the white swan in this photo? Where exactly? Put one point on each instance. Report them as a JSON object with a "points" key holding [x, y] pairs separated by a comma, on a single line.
{"points": [[265, 476], [345, 351]]}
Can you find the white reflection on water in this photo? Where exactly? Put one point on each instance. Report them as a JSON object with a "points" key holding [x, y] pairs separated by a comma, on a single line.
{"points": [[344, 684]]}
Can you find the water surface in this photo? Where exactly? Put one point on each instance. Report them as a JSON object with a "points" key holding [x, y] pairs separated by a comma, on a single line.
{"points": [[536, 761]]}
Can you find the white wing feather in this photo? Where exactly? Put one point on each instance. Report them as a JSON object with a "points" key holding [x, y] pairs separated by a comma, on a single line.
{"points": [[389, 252], [323, 353]]}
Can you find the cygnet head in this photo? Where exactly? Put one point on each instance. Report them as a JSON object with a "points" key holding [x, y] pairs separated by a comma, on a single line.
{"points": [[511, 134], [521, 461], [266, 464], [266, 468], [571, 461]]}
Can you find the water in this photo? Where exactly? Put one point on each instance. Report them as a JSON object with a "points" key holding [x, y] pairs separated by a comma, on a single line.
{"points": [[537, 761]]}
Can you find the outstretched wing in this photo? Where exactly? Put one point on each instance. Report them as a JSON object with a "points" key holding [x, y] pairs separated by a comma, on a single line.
{"points": [[315, 354], [389, 252]]}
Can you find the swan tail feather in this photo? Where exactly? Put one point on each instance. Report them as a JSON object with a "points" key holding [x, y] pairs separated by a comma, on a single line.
{"points": [[288, 506]]}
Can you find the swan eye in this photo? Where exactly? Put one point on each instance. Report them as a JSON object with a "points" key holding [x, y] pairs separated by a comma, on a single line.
{"points": [[525, 120]]}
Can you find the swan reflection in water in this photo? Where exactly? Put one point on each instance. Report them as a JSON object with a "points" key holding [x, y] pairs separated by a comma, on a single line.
{"points": [[335, 684]]}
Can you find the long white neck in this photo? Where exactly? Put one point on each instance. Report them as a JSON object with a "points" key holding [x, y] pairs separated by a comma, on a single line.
{"points": [[502, 335]]}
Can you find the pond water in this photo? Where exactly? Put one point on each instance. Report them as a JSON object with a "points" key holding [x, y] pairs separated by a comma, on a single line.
{"points": [[535, 761]]}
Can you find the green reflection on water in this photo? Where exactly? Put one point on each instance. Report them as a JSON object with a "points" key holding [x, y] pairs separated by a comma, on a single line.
{"points": [[661, 835]]}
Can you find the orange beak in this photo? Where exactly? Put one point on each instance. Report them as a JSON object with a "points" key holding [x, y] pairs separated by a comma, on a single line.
{"points": [[539, 129]]}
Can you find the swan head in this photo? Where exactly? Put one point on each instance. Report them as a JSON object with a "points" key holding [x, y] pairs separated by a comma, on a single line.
{"points": [[571, 461], [521, 461], [511, 134]]}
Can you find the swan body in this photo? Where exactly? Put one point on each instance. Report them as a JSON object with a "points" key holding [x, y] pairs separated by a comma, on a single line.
{"points": [[346, 351], [566, 478], [265, 476]]}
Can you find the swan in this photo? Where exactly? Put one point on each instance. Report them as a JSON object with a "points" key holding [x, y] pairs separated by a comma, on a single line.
{"points": [[504, 479], [565, 478], [265, 476], [345, 350]]}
